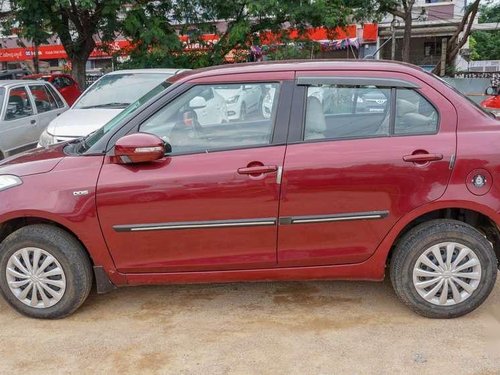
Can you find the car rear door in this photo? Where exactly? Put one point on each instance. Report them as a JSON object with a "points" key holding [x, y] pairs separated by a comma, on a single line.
{"points": [[48, 105], [353, 169], [212, 204]]}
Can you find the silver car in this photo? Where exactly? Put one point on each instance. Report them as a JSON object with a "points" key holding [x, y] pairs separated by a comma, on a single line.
{"points": [[27, 108], [102, 101]]}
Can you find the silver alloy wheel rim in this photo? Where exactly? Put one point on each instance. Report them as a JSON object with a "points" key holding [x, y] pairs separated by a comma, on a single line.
{"points": [[35, 277], [447, 273]]}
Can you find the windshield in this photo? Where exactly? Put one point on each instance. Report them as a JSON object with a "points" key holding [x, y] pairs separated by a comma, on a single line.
{"points": [[119, 90], [92, 138]]}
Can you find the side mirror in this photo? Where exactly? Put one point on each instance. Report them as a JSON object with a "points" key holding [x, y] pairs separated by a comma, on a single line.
{"points": [[139, 148], [491, 91], [197, 102]]}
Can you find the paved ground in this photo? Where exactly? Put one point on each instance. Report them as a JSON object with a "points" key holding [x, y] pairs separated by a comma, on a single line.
{"points": [[258, 328]]}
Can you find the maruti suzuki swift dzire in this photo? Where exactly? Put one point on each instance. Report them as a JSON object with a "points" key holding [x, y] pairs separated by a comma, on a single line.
{"points": [[340, 171]]}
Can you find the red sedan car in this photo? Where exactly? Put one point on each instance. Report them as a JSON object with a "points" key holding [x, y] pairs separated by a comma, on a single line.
{"points": [[493, 102], [64, 83], [315, 189]]}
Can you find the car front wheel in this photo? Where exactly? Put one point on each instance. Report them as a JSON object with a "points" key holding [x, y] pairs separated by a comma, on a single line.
{"points": [[44, 272], [443, 269]]}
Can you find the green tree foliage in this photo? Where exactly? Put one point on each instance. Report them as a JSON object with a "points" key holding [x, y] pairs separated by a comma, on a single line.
{"points": [[245, 19], [78, 23], [485, 45]]}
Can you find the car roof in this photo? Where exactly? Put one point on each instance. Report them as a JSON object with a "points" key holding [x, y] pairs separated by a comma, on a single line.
{"points": [[12, 82], [299, 65], [146, 71]]}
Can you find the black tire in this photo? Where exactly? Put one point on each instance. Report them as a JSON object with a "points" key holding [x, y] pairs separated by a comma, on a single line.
{"points": [[67, 251], [414, 243]]}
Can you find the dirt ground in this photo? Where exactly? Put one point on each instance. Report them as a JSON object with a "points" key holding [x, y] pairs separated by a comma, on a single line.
{"points": [[255, 328]]}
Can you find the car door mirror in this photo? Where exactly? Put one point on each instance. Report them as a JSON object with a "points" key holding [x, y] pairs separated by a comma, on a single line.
{"points": [[139, 148], [197, 102], [491, 91]]}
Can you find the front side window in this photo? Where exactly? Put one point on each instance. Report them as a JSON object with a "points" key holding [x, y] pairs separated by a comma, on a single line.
{"points": [[44, 100], [18, 105], [339, 111], [216, 117]]}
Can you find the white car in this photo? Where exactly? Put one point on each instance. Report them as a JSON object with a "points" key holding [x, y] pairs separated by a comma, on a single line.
{"points": [[102, 101], [241, 100], [210, 107]]}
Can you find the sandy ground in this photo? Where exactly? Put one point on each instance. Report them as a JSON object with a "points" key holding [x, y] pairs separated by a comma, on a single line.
{"points": [[255, 328]]}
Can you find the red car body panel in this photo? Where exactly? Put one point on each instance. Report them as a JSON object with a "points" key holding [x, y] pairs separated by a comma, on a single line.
{"points": [[183, 189], [91, 196], [492, 103]]}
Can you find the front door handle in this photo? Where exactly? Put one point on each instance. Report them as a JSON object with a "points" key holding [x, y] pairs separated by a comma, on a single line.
{"points": [[33, 122], [422, 158], [258, 169]]}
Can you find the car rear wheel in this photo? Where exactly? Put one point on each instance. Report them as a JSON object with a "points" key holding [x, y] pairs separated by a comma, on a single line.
{"points": [[443, 269], [44, 272]]}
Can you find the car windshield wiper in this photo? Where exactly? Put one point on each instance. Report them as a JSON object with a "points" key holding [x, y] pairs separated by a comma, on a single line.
{"points": [[107, 105]]}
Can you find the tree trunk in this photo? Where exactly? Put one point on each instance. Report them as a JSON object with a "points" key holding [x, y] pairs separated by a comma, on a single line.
{"points": [[407, 37], [78, 71], [36, 58], [459, 38]]}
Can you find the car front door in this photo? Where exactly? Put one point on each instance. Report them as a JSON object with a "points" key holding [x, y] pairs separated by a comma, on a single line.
{"points": [[353, 169], [19, 121], [211, 204]]}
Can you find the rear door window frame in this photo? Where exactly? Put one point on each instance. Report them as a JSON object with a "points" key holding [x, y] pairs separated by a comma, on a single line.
{"points": [[299, 104]]}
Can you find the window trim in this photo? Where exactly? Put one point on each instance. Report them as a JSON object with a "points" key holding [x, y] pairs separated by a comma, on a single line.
{"points": [[357, 81], [299, 107], [279, 126]]}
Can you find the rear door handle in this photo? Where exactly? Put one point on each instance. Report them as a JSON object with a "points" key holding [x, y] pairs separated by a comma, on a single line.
{"points": [[258, 169], [422, 158], [33, 122]]}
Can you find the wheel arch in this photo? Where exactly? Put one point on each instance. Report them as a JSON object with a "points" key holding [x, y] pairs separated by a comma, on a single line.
{"points": [[477, 217], [102, 278], [10, 226]]}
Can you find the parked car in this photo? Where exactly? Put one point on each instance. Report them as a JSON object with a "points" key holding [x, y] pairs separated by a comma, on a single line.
{"points": [[156, 197], [102, 101], [241, 100], [210, 107], [64, 83], [492, 103], [13, 74], [26, 107]]}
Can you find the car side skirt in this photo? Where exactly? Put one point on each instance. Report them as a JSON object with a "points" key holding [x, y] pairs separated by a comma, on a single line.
{"points": [[366, 271]]}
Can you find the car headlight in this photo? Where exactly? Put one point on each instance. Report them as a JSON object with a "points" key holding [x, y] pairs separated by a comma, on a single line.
{"points": [[8, 181], [46, 139], [232, 99]]}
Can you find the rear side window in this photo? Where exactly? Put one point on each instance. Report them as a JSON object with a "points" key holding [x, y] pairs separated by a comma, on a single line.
{"points": [[343, 112], [44, 101], [336, 112], [414, 114], [57, 98]]}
